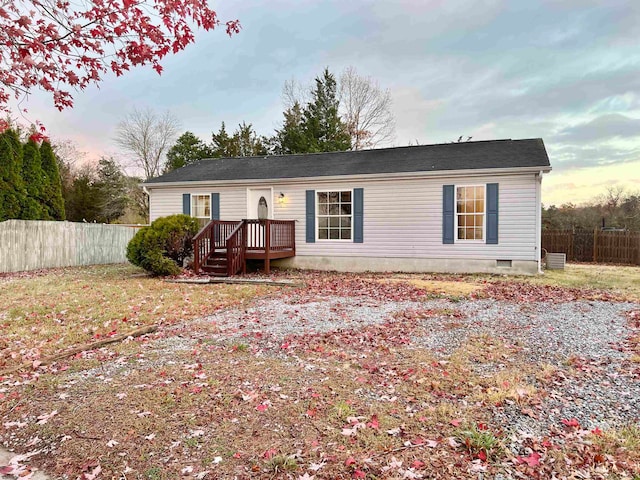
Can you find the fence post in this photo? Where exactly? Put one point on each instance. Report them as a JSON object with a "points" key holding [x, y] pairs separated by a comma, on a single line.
{"points": [[595, 245]]}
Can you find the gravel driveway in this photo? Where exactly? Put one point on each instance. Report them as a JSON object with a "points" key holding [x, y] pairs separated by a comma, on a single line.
{"points": [[588, 333]]}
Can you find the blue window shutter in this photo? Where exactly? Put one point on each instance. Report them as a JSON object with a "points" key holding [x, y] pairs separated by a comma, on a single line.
{"points": [[311, 216], [448, 212], [492, 213], [186, 203], [215, 206], [358, 215]]}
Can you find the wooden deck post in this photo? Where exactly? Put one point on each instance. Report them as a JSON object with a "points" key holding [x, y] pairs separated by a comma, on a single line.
{"points": [[267, 246], [244, 247]]}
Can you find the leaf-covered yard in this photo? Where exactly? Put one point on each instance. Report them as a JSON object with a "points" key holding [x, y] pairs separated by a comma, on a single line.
{"points": [[348, 376]]}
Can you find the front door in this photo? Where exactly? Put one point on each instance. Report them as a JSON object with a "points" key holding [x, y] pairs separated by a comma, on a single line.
{"points": [[259, 206]]}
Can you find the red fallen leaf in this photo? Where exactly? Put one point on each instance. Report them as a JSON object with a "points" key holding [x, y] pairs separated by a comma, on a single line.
{"points": [[482, 455], [417, 464], [597, 432], [269, 453], [350, 461], [311, 412], [482, 426], [456, 422], [237, 455], [6, 470], [359, 474], [262, 407], [285, 345], [374, 423], [570, 423], [532, 460]]}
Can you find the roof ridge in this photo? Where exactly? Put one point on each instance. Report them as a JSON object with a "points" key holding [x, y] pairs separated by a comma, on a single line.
{"points": [[338, 152]]}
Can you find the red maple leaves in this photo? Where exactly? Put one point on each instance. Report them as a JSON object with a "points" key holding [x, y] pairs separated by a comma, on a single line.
{"points": [[53, 44]]}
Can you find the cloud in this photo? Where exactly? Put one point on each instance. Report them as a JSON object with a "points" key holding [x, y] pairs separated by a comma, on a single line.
{"points": [[609, 126]]}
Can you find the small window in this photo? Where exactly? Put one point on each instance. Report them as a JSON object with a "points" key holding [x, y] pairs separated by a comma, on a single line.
{"points": [[334, 215], [201, 207], [504, 263], [470, 212]]}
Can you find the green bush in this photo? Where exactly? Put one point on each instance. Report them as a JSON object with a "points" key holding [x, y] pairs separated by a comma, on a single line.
{"points": [[162, 247]]}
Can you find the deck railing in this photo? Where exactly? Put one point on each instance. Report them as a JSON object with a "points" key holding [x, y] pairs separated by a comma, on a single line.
{"points": [[263, 238]]}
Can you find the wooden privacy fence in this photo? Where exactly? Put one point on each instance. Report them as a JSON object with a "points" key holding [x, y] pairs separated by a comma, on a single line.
{"points": [[594, 245], [31, 245]]}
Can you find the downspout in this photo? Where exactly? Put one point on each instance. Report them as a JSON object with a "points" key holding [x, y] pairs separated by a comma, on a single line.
{"points": [[539, 220], [144, 189]]}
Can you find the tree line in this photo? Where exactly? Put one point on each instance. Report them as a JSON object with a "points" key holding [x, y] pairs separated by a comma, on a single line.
{"points": [[615, 209], [348, 113]]}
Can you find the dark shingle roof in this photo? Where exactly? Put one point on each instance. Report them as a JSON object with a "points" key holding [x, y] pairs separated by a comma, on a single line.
{"points": [[447, 156]]}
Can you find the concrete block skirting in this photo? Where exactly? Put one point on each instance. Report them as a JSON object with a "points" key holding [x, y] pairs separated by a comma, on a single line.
{"points": [[409, 265]]}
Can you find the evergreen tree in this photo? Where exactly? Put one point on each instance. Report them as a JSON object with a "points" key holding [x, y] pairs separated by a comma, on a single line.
{"points": [[322, 127], [82, 203], [243, 143], [221, 143], [247, 143], [290, 138], [12, 193], [53, 200], [32, 208], [112, 191], [187, 149]]}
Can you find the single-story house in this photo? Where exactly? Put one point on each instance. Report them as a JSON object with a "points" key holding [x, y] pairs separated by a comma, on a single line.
{"points": [[455, 207]]}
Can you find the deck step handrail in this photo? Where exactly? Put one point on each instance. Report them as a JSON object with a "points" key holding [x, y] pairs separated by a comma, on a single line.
{"points": [[236, 244], [210, 237]]}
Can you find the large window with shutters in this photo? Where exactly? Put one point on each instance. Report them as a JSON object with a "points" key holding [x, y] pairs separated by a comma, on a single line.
{"points": [[334, 215], [470, 213]]}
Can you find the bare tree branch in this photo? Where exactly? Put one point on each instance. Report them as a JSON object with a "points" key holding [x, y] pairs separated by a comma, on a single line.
{"points": [[147, 136], [366, 110]]}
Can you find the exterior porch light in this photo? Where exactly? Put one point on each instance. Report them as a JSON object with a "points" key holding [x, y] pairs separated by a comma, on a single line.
{"points": [[281, 198]]}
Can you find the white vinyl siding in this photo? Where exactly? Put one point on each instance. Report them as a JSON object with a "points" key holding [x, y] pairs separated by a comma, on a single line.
{"points": [[402, 217]]}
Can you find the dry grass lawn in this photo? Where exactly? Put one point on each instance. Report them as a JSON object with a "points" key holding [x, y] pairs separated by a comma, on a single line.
{"points": [[178, 404]]}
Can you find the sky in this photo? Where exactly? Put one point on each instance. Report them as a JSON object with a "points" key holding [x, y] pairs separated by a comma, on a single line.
{"points": [[567, 71]]}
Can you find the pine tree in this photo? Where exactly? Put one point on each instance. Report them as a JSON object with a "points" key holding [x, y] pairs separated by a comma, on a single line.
{"points": [[243, 143], [112, 190], [290, 138], [33, 178], [53, 200], [12, 193], [82, 203], [221, 143], [247, 143], [322, 128], [187, 149]]}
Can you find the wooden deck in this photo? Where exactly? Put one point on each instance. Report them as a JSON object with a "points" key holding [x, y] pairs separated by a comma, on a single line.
{"points": [[222, 248]]}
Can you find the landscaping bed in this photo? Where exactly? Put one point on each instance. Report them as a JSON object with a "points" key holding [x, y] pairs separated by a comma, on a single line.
{"points": [[348, 376]]}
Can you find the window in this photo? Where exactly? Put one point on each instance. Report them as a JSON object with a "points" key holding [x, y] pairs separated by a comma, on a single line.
{"points": [[201, 206], [334, 215], [470, 212]]}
